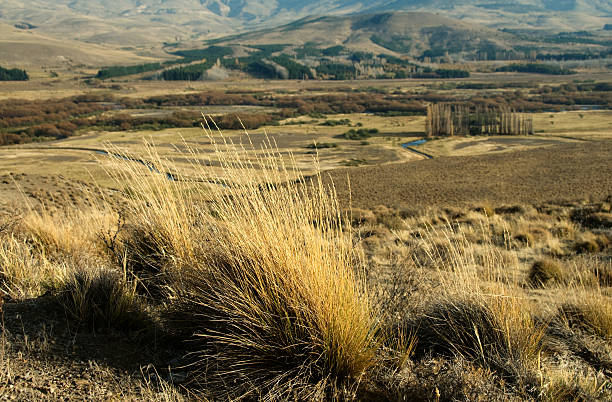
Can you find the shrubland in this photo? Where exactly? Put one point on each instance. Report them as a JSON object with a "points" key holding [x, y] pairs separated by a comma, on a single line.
{"points": [[252, 281], [23, 121]]}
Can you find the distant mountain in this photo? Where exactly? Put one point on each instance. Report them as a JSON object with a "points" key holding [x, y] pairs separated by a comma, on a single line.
{"points": [[137, 22], [401, 33], [24, 47], [52, 32]]}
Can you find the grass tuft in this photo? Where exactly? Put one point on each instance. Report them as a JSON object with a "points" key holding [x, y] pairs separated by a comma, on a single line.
{"points": [[261, 277], [25, 273], [593, 315], [545, 271], [497, 333], [102, 299], [586, 246]]}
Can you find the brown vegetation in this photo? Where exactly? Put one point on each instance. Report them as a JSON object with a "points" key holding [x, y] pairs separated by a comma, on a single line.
{"points": [[568, 171], [544, 271], [263, 286], [492, 113]]}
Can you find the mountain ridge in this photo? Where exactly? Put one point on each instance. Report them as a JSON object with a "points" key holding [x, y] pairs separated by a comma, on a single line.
{"points": [[157, 21]]}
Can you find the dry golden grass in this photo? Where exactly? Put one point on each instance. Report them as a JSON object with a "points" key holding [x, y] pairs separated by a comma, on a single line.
{"points": [[278, 296], [262, 272], [26, 273], [543, 271], [466, 291]]}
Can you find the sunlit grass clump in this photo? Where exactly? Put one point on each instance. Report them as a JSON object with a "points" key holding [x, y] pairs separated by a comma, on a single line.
{"points": [[258, 269]]}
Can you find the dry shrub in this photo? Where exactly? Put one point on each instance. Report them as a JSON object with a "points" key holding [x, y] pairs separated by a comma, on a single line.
{"points": [[587, 243], [451, 249], [524, 239], [530, 235], [454, 214], [510, 209], [563, 230], [588, 272], [599, 220], [489, 327], [73, 235], [540, 234], [473, 237], [147, 253], [592, 314], [102, 299], [389, 218], [439, 379], [407, 212], [603, 275], [486, 209], [554, 248], [603, 240], [26, 273], [154, 388], [544, 271], [497, 333], [361, 216], [262, 275], [372, 244], [565, 385]]}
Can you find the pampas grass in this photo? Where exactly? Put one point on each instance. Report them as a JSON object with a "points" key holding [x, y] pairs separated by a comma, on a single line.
{"points": [[258, 263]]}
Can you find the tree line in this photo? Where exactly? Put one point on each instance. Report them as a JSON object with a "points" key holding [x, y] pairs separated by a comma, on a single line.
{"points": [[459, 119], [536, 68], [13, 74], [119, 71]]}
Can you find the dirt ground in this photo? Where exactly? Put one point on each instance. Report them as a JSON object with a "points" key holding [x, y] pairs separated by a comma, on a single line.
{"points": [[44, 357]]}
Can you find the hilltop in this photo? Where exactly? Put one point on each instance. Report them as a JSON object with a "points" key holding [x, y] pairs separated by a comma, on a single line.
{"points": [[153, 22], [24, 48], [409, 33]]}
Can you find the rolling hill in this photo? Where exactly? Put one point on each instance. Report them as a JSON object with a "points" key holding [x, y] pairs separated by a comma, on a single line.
{"points": [[406, 33], [137, 22], [25, 48]]}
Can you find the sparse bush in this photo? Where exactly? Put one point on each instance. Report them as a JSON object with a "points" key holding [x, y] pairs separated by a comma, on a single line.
{"points": [[391, 221], [570, 386], [102, 299], [333, 123], [406, 212], [544, 271], [361, 216], [495, 333], [593, 315], [26, 273], [510, 209], [563, 230], [146, 252], [603, 274], [359, 134], [262, 280], [485, 209], [525, 239], [599, 220], [586, 246], [322, 145]]}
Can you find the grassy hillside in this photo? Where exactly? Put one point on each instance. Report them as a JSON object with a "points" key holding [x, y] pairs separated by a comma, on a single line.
{"points": [[402, 32], [23, 48], [150, 22]]}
